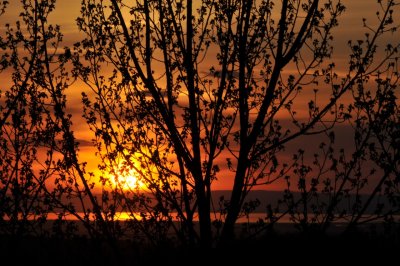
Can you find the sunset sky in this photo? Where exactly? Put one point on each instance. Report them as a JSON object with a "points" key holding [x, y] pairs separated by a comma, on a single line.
{"points": [[67, 11]]}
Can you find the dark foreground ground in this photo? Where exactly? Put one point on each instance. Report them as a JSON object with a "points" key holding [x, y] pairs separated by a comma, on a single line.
{"points": [[275, 248]]}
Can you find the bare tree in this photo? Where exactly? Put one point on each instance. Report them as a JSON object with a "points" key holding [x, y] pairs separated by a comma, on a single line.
{"points": [[39, 168], [184, 93], [190, 92], [360, 184], [28, 126]]}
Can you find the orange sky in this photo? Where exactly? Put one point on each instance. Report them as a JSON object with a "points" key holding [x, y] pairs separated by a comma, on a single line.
{"points": [[67, 11]]}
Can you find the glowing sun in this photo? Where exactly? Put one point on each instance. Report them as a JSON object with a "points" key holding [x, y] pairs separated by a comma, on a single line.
{"points": [[127, 180]]}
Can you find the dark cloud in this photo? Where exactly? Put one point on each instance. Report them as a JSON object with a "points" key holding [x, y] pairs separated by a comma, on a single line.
{"points": [[85, 143]]}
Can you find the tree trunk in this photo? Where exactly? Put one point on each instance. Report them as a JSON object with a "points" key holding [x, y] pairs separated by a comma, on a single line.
{"points": [[228, 232], [203, 203]]}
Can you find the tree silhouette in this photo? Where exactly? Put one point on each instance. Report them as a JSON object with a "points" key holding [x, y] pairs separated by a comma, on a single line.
{"points": [[190, 92], [28, 124], [183, 95], [39, 169]]}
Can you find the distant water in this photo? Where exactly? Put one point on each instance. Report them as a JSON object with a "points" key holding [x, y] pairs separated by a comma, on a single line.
{"points": [[124, 216], [252, 218]]}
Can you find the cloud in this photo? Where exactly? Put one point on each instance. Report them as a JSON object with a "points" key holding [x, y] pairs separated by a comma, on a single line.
{"points": [[85, 143]]}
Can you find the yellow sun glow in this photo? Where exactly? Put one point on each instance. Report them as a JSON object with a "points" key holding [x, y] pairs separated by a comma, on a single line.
{"points": [[127, 180]]}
